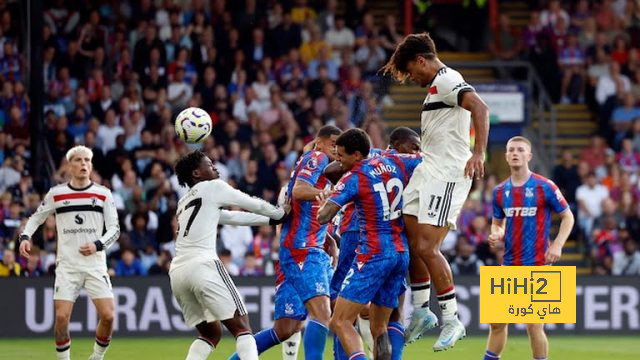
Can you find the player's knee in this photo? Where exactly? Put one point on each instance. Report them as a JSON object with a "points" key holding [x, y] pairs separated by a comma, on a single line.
{"points": [[378, 329], [336, 325], [428, 248], [107, 317], [535, 329], [498, 328], [62, 318]]}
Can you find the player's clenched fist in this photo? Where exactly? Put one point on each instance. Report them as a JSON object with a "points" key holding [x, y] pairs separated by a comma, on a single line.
{"points": [[495, 241]]}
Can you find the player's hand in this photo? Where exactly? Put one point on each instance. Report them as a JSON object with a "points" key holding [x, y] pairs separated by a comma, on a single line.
{"points": [[475, 167], [553, 254], [25, 248], [88, 249], [323, 196], [495, 241]]}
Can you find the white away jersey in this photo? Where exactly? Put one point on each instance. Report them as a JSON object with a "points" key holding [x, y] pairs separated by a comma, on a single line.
{"points": [[445, 127], [82, 215], [199, 213]]}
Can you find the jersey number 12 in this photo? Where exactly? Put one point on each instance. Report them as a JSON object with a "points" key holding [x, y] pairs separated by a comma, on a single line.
{"points": [[390, 213]]}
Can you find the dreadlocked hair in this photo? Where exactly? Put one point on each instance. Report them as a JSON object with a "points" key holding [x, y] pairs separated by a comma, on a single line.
{"points": [[409, 49]]}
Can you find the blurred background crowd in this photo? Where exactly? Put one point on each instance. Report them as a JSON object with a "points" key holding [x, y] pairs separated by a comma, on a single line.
{"points": [[271, 73]]}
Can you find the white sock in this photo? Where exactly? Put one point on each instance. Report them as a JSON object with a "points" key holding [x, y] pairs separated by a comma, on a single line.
{"points": [[448, 304], [246, 347], [63, 350], [365, 331], [199, 349], [100, 346], [290, 347], [420, 293]]}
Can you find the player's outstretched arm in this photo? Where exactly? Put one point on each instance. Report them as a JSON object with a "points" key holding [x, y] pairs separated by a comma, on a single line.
{"points": [[35, 220], [554, 252], [480, 115], [303, 191], [327, 212], [243, 218], [227, 196]]}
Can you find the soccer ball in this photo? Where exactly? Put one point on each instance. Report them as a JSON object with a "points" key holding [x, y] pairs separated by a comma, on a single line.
{"points": [[193, 125]]}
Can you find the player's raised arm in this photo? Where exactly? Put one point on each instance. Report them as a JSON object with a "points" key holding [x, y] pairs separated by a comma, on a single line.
{"points": [[480, 115], [44, 210]]}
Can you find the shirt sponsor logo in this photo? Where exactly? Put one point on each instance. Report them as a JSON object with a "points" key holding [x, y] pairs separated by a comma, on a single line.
{"points": [[79, 231], [520, 211], [79, 219]]}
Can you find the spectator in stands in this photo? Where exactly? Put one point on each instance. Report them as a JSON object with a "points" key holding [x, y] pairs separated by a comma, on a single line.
{"points": [[9, 174], [225, 257], [371, 57], [466, 262], [594, 155], [572, 60], [33, 267], [609, 89], [606, 17], [590, 196], [627, 262], [8, 266], [161, 266], [628, 157], [505, 42], [250, 267], [236, 239], [140, 237], [565, 175], [340, 38], [286, 36], [129, 265]]}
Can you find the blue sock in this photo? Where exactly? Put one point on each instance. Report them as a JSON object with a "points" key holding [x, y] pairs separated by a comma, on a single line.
{"points": [[358, 356], [338, 350], [491, 356], [315, 338], [396, 337], [265, 340]]}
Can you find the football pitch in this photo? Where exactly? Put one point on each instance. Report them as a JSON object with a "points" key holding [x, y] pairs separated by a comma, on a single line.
{"points": [[561, 347]]}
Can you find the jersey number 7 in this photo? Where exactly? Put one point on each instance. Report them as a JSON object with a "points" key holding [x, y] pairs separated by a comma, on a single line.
{"points": [[197, 203]]}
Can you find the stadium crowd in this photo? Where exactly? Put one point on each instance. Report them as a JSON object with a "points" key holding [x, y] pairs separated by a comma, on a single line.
{"points": [[271, 73]]}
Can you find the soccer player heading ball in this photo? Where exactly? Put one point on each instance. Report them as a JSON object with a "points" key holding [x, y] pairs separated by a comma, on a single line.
{"points": [[440, 185]]}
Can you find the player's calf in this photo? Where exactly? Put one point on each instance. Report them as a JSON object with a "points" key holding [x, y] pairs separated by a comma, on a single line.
{"points": [[61, 329], [539, 342], [382, 348]]}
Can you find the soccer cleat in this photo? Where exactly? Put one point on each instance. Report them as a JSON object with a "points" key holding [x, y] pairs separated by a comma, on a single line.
{"points": [[422, 319], [452, 331], [96, 357]]}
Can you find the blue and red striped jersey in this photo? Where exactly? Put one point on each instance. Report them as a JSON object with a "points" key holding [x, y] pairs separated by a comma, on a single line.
{"points": [[348, 218], [527, 210], [302, 230], [375, 187]]}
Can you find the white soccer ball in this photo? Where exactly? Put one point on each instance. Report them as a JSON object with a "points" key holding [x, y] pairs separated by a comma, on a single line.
{"points": [[193, 125]]}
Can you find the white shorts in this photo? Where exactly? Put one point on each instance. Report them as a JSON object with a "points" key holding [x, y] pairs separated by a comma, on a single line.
{"points": [[205, 292], [435, 202], [70, 281]]}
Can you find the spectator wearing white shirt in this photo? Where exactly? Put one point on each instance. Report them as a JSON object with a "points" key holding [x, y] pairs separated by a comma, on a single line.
{"points": [[179, 91], [590, 196], [108, 132], [237, 240], [371, 57], [340, 37], [627, 262], [243, 106], [262, 87], [550, 16]]}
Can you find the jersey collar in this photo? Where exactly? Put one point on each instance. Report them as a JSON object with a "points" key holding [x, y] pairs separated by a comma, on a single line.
{"points": [[81, 189]]}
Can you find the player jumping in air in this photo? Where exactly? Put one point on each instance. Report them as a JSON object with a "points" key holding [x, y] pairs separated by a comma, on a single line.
{"points": [[305, 265], [522, 207], [440, 185], [87, 224], [380, 266], [204, 290]]}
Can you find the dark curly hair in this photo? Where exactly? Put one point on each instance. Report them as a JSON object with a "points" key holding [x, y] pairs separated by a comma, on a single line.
{"points": [[185, 165], [354, 140], [409, 49]]}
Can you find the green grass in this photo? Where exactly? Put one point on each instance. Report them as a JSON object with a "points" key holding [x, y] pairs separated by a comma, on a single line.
{"points": [[561, 347]]}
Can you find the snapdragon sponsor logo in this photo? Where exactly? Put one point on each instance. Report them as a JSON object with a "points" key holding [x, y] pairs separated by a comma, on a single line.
{"points": [[79, 231]]}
